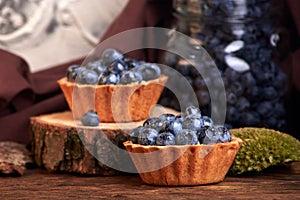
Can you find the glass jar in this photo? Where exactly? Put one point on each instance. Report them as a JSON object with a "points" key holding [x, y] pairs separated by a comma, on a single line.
{"points": [[246, 41]]}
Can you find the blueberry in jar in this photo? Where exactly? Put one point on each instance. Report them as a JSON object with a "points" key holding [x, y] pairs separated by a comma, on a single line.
{"points": [[90, 118]]}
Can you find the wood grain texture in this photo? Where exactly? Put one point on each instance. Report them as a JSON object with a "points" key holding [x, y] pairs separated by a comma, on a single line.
{"points": [[275, 183]]}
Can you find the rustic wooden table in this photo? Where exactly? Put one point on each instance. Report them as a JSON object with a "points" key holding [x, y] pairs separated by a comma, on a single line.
{"points": [[275, 183]]}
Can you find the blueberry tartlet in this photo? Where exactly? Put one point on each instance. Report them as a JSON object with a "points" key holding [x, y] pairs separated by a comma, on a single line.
{"points": [[117, 87], [183, 149]]}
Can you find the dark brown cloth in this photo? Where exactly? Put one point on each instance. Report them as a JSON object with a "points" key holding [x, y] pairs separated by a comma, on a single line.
{"points": [[24, 94]]}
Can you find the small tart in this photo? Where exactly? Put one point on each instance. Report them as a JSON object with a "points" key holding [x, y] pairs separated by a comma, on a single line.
{"points": [[196, 164], [114, 103]]}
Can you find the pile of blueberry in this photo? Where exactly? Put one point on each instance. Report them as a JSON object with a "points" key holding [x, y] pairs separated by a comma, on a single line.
{"points": [[113, 68], [189, 128], [242, 40]]}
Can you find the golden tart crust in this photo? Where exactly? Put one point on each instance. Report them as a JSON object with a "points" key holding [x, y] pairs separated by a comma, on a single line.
{"points": [[114, 103], [196, 164]]}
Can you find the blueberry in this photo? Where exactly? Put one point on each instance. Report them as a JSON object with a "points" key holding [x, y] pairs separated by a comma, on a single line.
{"points": [[165, 138], [174, 126], [87, 77], [186, 137], [110, 55], [149, 71], [110, 78], [117, 66], [242, 104], [224, 134], [134, 133], [228, 7], [279, 109], [209, 136], [269, 93], [237, 88], [154, 123], [231, 74], [131, 63], [248, 80], [90, 119], [167, 117], [231, 97], [147, 136], [97, 66], [250, 118], [232, 114], [202, 133], [207, 121], [150, 121], [192, 122], [253, 93], [130, 77], [190, 110], [265, 108], [281, 80], [73, 71]]}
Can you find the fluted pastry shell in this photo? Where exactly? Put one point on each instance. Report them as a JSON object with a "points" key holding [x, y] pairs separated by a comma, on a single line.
{"points": [[114, 103], [196, 164]]}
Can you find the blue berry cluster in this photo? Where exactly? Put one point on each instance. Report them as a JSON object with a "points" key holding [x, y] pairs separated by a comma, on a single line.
{"points": [[243, 41], [113, 68], [189, 128]]}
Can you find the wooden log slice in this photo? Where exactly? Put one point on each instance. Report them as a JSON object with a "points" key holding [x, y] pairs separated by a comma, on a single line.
{"points": [[60, 144]]}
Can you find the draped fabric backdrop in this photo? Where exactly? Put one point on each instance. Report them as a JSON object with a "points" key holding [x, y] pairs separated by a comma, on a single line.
{"points": [[24, 94]]}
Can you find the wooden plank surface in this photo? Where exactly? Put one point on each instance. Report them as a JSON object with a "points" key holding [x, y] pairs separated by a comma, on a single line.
{"points": [[275, 183]]}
